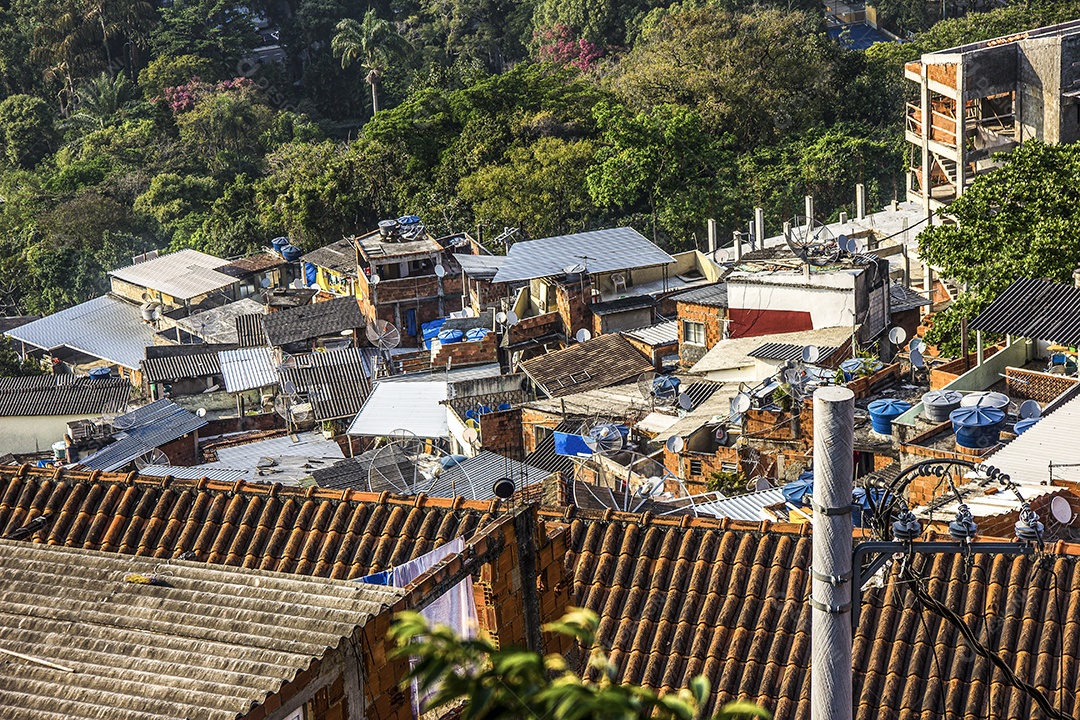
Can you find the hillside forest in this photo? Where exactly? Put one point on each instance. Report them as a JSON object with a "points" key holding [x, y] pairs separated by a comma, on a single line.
{"points": [[218, 125]]}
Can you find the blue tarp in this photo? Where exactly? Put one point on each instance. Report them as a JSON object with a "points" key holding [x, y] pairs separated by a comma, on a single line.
{"points": [[796, 490], [386, 577], [571, 445], [311, 274]]}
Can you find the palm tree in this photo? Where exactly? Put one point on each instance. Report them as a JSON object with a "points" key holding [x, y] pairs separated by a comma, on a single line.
{"points": [[374, 42], [102, 100]]}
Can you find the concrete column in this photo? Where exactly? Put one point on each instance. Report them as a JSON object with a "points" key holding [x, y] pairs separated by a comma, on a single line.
{"points": [[961, 130], [759, 226], [924, 104], [737, 245], [978, 348], [809, 207], [712, 236], [860, 202], [830, 599], [907, 265]]}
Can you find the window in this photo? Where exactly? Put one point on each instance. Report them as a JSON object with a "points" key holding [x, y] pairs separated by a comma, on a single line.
{"points": [[541, 433], [695, 467], [693, 332]]}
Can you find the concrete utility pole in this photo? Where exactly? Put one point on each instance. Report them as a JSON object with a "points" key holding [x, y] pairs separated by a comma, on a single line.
{"points": [[830, 599]]}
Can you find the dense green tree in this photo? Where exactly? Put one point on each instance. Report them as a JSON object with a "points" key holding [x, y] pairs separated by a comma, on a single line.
{"points": [[11, 365], [1019, 221], [372, 42], [222, 31], [101, 102], [172, 71], [26, 129], [226, 126]]}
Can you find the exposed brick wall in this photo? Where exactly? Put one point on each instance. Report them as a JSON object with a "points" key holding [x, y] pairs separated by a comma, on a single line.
{"points": [[530, 419], [572, 300], [942, 375], [461, 354], [183, 451], [711, 317], [534, 327], [500, 432], [655, 352], [264, 421]]}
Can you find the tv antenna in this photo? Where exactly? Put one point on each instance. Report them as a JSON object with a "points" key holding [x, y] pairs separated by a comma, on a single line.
{"points": [[624, 486], [812, 242], [385, 336], [154, 457]]}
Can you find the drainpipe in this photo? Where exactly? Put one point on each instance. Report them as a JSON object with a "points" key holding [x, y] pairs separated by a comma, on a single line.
{"points": [[831, 570]]}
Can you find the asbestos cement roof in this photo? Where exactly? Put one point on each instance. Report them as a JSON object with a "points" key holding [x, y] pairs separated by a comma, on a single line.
{"points": [[735, 352], [140, 431], [181, 367], [474, 478], [787, 351], [339, 257], [415, 406], [605, 360], [1037, 309], [248, 368], [204, 642], [249, 330], [480, 267], [105, 327], [316, 320], [748, 507], [665, 333], [598, 251], [903, 298], [62, 395], [712, 295], [285, 459], [218, 325], [182, 275]]}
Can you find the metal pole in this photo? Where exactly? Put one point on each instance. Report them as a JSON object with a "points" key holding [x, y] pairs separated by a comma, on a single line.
{"points": [[830, 600], [737, 245]]}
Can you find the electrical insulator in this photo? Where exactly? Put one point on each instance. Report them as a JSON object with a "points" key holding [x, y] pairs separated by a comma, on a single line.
{"points": [[1028, 527], [963, 528], [906, 528]]}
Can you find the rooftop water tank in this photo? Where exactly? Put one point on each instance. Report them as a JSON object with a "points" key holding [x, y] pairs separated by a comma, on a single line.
{"points": [[937, 404], [977, 427], [291, 253], [406, 220], [59, 449], [100, 373], [388, 227], [986, 399], [665, 386], [279, 242], [1022, 425], [883, 412], [476, 334], [856, 367], [450, 335]]}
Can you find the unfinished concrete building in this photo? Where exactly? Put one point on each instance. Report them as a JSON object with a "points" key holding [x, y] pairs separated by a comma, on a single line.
{"points": [[1011, 89]]}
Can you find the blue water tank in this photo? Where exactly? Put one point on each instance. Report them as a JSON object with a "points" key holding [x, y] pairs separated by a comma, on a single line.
{"points": [[279, 242], [476, 334], [450, 335], [665, 386], [883, 412], [100, 373], [855, 367], [405, 220], [1022, 425], [977, 427], [291, 253], [430, 330]]}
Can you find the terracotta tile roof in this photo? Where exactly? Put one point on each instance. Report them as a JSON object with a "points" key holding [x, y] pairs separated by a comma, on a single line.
{"points": [[685, 596], [337, 534]]}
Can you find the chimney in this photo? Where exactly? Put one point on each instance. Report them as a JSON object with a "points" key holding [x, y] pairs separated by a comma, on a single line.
{"points": [[759, 227], [831, 595], [860, 202], [809, 207], [712, 237]]}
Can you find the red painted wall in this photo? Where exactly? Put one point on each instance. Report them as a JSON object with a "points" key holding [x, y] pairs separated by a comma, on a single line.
{"points": [[753, 322]]}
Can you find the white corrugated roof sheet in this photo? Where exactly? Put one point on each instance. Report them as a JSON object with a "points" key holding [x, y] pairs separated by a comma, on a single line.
{"points": [[743, 507], [413, 406], [182, 275], [598, 251], [663, 333], [248, 368], [105, 327]]}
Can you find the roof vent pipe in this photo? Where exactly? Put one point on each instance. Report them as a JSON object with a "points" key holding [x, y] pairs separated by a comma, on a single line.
{"points": [[831, 596]]}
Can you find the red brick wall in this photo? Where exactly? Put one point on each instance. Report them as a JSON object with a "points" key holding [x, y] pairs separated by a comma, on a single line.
{"points": [[184, 451], [535, 327], [529, 420], [461, 354], [655, 352], [572, 300], [500, 432], [713, 320]]}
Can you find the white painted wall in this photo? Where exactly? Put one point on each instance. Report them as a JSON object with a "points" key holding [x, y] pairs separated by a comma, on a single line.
{"points": [[828, 306], [31, 434]]}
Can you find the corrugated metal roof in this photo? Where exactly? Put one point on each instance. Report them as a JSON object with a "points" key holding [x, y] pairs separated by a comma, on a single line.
{"points": [[664, 333], [335, 381], [195, 472], [181, 367], [787, 351], [711, 295], [144, 429], [249, 331], [480, 267], [105, 327], [624, 304], [545, 457], [218, 325], [285, 459], [599, 251], [62, 395], [413, 406], [902, 298], [182, 275], [209, 642], [474, 478], [1037, 309], [742, 507], [248, 369], [307, 322]]}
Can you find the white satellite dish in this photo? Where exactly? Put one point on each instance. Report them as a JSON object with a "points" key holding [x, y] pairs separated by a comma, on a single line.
{"points": [[916, 345], [298, 284], [500, 317], [675, 444], [582, 335], [511, 318], [288, 387], [811, 354], [740, 403], [897, 335], [761, 483], [264, 283], [375, 279], [721, 256], [470, 435], [1061, 510], [916, 359], [153, 457], [440, 271], [1029, 409], [686, 402], [201, 412], [843, 240]]}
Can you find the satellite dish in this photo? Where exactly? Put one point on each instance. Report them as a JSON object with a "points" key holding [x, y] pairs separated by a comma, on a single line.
{"points": [[503, 488], [624, 485], [675, 444], [264, 283], [146, 296], [1029, 409], [470, 435], [500, 317], [301, 411], [511, 318], [123, 421], [1061, 510], [604, 439], [761, 483], [916, 359], [721, 256], [154, 457], [916, 345], [811, 354], [288, 387], [582, 335], [721, 435], [201, 412], [298, 284], [793, 376], [440, 271], [686, 402], [897, 336], [383, 335], [812, 242], [375, 279], [740, 403]]}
